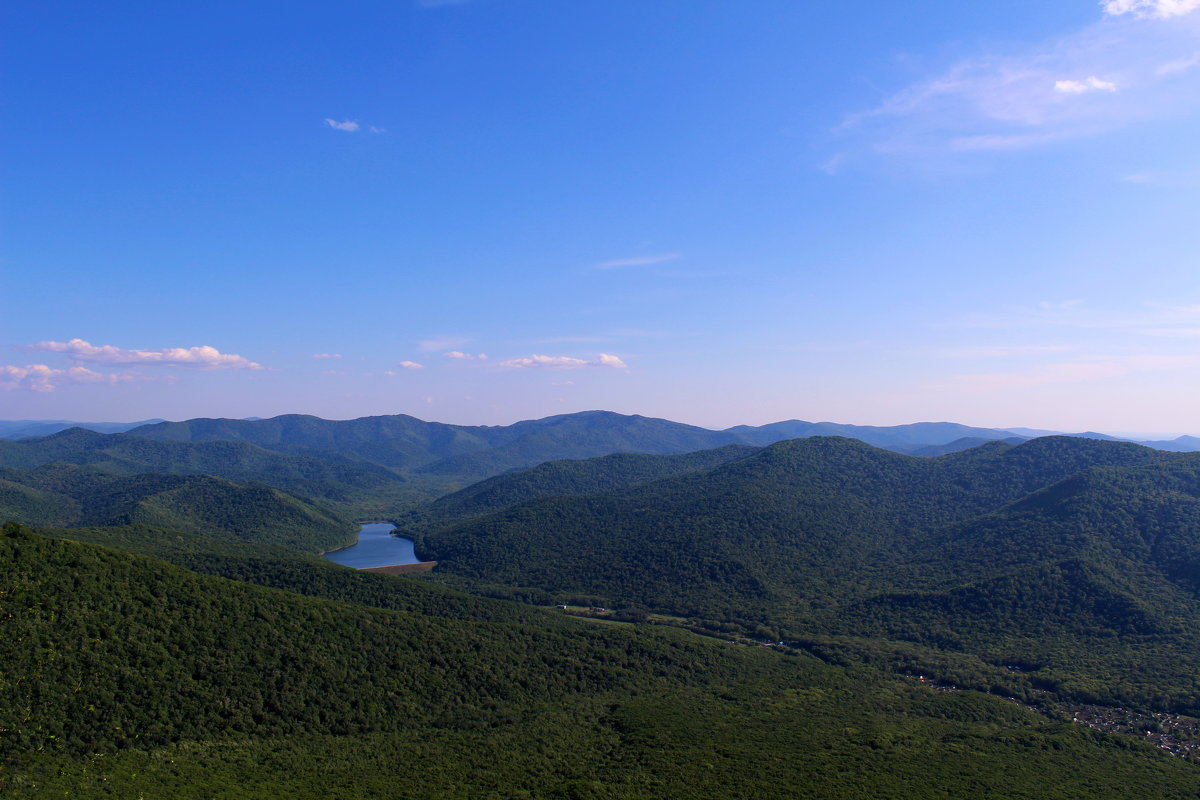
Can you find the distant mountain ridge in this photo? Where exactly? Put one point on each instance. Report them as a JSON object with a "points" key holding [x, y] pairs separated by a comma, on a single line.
{"points": [[330, 477], [407, 443], [29, 428]]}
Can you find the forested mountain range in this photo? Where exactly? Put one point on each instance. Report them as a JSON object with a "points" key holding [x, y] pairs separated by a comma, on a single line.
{"points": [[348, 460], [128, 676], [228, 658], [1077, 558], [410, 444]]}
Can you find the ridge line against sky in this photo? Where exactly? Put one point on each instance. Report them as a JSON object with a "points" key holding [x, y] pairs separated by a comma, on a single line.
{"points": [[494, 210]]}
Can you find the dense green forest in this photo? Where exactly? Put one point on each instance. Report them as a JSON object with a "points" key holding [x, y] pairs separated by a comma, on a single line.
{"points": [[331, 476], [64, 494], [1077, 558], [170, 630], [128, 676]]}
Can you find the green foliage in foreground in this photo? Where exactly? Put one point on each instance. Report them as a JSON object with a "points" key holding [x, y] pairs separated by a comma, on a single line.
{"points": [[125, 676]]}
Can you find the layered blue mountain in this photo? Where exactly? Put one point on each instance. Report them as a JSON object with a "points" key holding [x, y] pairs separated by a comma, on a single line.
{"points": [[28, 428]]}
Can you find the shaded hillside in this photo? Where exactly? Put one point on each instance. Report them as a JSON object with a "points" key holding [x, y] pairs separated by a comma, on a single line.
{"points": [[573, 436], [64, 494], [216, 688], [575, 477]]}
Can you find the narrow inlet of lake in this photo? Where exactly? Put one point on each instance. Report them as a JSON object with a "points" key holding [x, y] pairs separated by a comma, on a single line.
{"points": [[376, 548]]}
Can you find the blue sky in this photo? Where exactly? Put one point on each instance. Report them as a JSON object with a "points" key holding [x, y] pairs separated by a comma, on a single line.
{"points": [[715, 212]]}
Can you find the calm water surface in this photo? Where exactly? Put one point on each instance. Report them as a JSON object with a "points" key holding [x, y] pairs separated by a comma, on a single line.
{"points": [[376, 548]]}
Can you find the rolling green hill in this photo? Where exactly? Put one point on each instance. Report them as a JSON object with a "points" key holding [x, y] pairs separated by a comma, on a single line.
{"points": [[1078, 557], [574, 477], [64, 494], [127, 676]]}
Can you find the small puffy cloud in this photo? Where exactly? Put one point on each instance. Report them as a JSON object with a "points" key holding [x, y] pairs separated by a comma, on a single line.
{"points": [[638, 261], [551, 362], [608, 360], [1157, 9], [204, 357], [44, 378], [411, 365], [461, 356], [327, 355], [1092, 84], [347, 125], [564, 362]]}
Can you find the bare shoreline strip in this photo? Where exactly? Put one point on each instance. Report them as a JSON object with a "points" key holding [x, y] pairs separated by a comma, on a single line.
{"points": [[401, 569]]}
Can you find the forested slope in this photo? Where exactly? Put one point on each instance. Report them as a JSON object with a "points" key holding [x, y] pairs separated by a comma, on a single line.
{"points": [[126, 676], [64, 494], [1077, 558]]}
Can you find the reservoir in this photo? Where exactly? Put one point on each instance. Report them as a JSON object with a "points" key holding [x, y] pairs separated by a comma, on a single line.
{"points": [[376, 548]]}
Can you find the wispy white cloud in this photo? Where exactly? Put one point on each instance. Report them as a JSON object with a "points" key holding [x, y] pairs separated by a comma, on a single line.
{"points": [[459, 355], [1114, 72], [564, 362], [1179, 65], [1160, 9], [411, 365], [1092, 84], [44, 378], [638, 261], [347, 125], [327, 355], [1174, 178], [206, 357]]}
